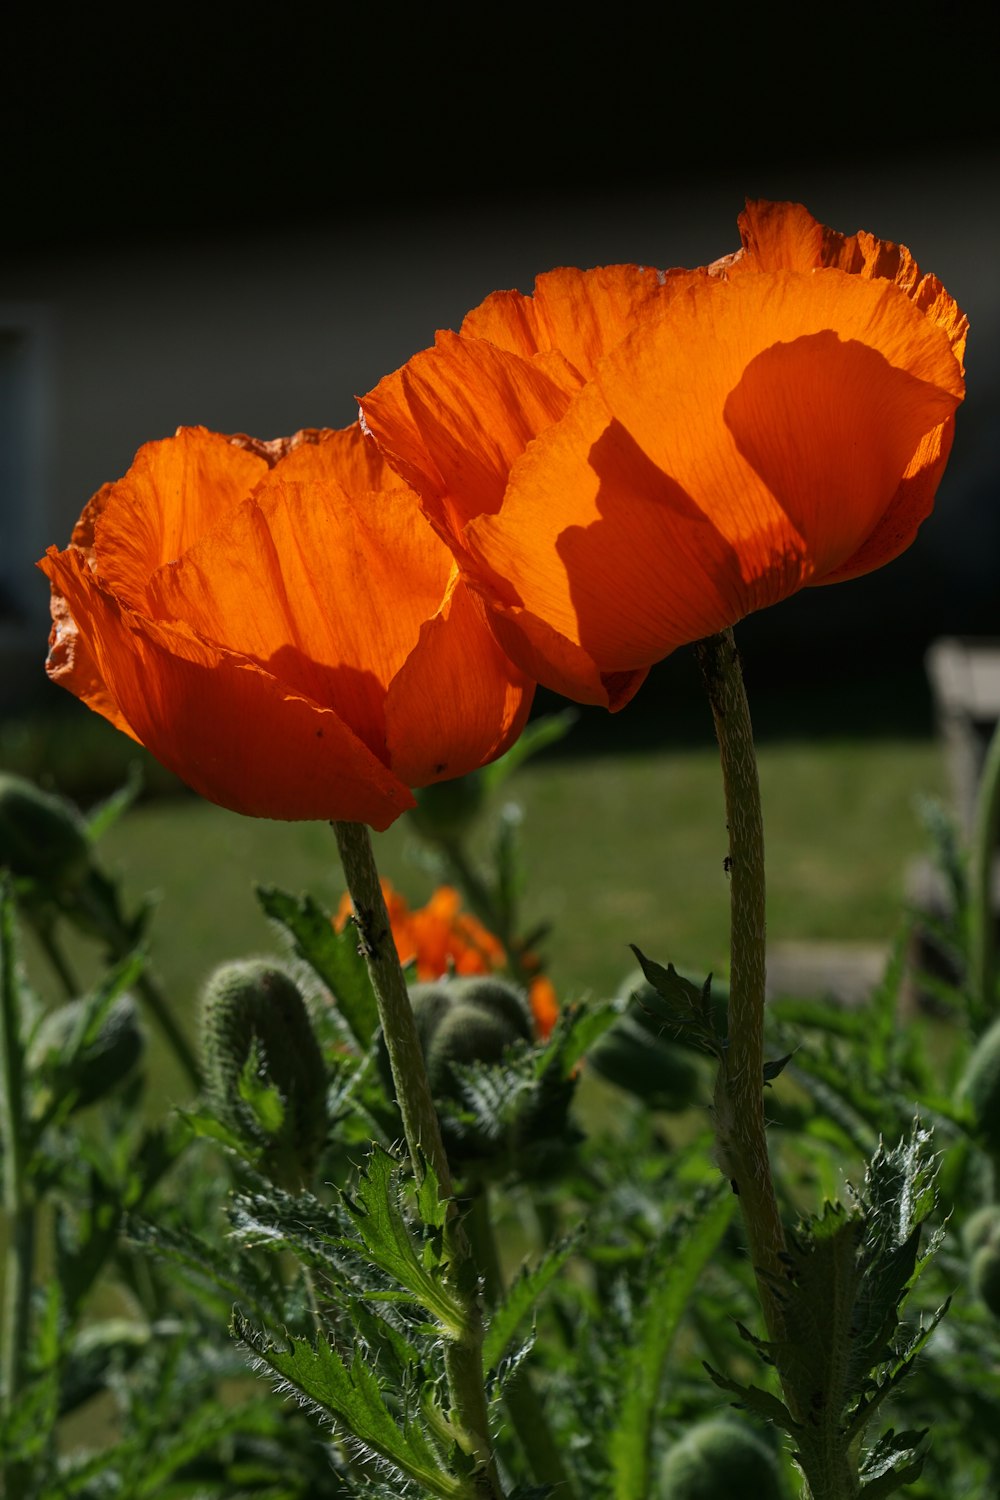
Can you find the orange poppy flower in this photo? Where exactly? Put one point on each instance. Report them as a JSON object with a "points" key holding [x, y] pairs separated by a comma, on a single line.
{"points": [[629, 460], [279, 625], [440, 939]]}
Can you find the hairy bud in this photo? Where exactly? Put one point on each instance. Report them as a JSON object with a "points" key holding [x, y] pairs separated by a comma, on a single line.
{"points": [[263, 1067], [979, 1087], [42, 837], [718, 1459], [98, 1067]]}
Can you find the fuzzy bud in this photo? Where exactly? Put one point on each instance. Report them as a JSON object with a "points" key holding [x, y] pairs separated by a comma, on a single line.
{"points": [[650, 1067], [96, 1069], [42, 837], [264, 1070], [984, 1273], [718, 1459], [979, 1087], [981, 1228]]}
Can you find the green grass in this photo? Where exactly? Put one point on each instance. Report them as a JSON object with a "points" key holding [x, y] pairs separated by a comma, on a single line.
{"points": [[617, 850]]}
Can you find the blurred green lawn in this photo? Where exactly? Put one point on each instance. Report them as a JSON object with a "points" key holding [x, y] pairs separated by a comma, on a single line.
{"points": [[617, 849]]}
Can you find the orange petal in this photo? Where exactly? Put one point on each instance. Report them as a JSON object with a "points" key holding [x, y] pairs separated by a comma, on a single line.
{"points": [[176, 491], [458, 702], [786, 237], [231, 730], [71, 664], [305, 580], [912, 503], [346, 455], [727, 450], [558, 662], [580, 314], [453, 420]]}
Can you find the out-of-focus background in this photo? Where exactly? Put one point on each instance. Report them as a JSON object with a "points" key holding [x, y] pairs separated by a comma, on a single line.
{"points": [[245, 220]]}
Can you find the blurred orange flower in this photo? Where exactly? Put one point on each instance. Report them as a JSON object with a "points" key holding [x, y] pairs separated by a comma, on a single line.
{"points": [[629, 460], [442, 939], [279, 625]]}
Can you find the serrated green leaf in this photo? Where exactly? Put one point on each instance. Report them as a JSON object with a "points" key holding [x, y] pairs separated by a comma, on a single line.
{"points": [[332, 955], [685, 1009], [350, 1394], [689, 1245], [377, 1214], [759, 1401], [894, 1460], [521, 1297]]}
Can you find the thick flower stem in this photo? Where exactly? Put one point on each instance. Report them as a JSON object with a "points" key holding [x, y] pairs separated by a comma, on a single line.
{"points": [[463, 1357], [739, 1092], [982, 917]]}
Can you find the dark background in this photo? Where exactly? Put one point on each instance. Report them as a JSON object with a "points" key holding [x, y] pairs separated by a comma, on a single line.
{"points": [[433, 132]]}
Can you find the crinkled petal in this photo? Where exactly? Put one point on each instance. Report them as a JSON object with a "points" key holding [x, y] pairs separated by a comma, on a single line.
{"points": [[308, 582], [176, 491], [580, 314], [71, 663], [453, 420], [226, 726]]}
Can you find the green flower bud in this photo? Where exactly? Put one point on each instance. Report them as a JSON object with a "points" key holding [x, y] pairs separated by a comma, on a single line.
{"points": [[650, 1067], [982, 1228], [473, 1032], [717, 1460], [445, 809], [264, 1070], [101, 1065], [984, 1274], [979, 1087], [42, 837]]}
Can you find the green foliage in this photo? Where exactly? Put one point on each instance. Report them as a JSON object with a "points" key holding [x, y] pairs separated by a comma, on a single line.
{"points": [[333, 956]]}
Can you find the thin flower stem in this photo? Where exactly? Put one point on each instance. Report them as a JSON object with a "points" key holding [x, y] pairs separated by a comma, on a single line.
{"points": [[463, 1357], [982, 917], [739, 1091], [524, 1404], [18, 1206], [52, 949]]}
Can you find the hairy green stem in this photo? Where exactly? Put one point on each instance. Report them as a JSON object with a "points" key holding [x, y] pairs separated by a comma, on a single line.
{"points": [[50, 946], [830, 1467], [18, 1207], [982, 917], [523, 1402], [739, 1092], [463, 1357]]}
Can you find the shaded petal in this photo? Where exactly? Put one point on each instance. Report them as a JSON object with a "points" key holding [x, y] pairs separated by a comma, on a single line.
{"points": [[458, 702], [453, 420], [911, 504], [559, 662], [176, 491], [228, 728], [306, 581]]}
